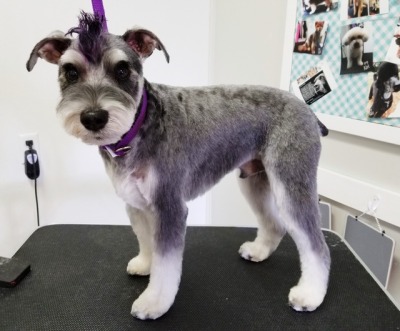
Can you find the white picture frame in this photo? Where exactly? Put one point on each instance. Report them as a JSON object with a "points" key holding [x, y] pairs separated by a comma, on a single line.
{"points": [[379, 132]]}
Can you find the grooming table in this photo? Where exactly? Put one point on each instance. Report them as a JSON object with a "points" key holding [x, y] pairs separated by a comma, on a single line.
{"points": [[78, 282]]}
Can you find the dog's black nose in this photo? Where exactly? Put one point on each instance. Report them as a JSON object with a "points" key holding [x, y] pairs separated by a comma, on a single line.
{"points": [[94, 120]]}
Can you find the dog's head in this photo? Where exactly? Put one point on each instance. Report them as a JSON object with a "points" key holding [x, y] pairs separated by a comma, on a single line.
{"points": [[319, 25], [355, 37], [319, 84], [100, 77]]}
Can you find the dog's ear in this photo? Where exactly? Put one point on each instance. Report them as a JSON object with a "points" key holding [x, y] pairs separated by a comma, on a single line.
{"points": [[49, 49], [144, 42]]}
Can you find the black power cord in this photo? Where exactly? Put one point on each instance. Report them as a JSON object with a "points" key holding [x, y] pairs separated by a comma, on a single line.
{"points": [[32, 170], [37, 204]]}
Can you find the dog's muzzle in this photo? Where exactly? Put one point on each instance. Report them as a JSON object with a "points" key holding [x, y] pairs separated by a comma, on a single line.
{"points": [[94, 120]]}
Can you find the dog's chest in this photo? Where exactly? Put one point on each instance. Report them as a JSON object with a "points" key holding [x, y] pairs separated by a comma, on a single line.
{"points": [[134, 187]]}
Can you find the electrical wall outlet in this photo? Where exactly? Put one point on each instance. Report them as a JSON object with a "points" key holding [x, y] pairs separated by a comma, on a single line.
{"points": [[24, 137]]}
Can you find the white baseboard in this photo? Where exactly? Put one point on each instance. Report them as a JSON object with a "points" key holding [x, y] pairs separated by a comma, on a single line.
{"points": [[356, 194]]}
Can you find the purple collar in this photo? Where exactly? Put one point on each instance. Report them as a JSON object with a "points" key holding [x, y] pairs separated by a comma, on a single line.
{"points": [[122, 147]]}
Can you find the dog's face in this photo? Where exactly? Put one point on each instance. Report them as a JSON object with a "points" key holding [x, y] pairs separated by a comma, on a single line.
{"points": [[319, 84], [319, 25], [100, 76], [355, 38]]}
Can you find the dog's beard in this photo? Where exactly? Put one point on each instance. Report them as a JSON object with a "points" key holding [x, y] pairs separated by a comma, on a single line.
{"points": [[120, 119]]}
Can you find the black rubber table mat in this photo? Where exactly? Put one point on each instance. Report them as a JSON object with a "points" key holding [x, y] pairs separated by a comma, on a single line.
{"points": [[78, 282]]}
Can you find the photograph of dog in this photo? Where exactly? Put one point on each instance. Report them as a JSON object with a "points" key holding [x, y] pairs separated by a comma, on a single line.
{"points": [[310, 37], [363, 8], [311, 7], [314, 88], [314, 84], [163, 146], [374, 7], [321, 85], [383, 96], [357, 8], [357, 48]]}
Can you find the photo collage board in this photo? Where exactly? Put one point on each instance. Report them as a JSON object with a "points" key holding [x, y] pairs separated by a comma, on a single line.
{"points": [[346, 58]]}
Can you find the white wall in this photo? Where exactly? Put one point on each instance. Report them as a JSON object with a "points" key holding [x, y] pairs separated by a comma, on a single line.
{"points": [[73, 186]]}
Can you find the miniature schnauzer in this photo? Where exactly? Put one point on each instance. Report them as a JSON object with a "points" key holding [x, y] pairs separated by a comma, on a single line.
{"points": [[163, 146]]}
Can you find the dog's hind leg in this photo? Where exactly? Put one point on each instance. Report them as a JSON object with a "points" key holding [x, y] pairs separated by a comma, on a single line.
{"points": [[143, 228], [293, 183], [257, 190]]}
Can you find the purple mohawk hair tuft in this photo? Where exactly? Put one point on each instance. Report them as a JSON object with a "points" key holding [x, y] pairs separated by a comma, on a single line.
{"points": [[91, 35]]}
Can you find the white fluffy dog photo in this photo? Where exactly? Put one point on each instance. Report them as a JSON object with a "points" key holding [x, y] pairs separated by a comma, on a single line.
{"points": [[357, 49]]}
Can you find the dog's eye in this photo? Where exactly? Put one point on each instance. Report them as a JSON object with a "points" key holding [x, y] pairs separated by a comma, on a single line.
{"points": [[71, 73], [122, 71]]}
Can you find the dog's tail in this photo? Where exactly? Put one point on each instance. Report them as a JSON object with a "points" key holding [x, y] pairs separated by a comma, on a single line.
{"points": [[324, 130]]}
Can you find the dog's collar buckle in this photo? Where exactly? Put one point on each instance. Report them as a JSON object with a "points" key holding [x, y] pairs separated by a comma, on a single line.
{"points": [[117, 152], [124, 149], [121, 148]]}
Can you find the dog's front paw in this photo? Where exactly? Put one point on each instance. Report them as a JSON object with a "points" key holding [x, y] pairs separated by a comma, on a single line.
{"points": [[150, 306], [139, 265], [254, 251], [306, 297]]}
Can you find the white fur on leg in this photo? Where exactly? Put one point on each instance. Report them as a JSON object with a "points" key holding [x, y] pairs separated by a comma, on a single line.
{"points": [[142, 225], [160, 294], [266, 242], [309, 293], [360, 62], [268, 235], [262, 247], [254, 251], [139, 265]]}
